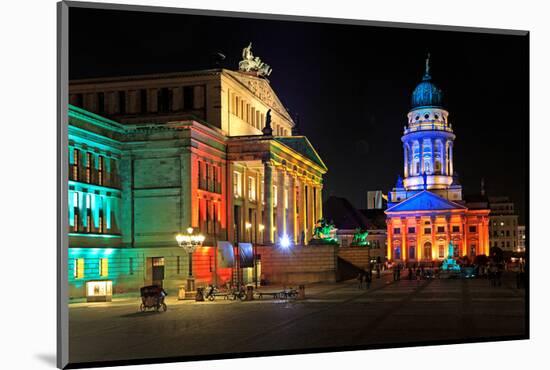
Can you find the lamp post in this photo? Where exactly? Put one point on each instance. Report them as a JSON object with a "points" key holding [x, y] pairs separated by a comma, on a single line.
{"points": [[190, 242]]}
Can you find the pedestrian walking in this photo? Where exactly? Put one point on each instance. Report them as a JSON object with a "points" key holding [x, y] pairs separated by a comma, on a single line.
{"points": [[360, 280], [418, 274], [398, 272], [378, 270], [410, 273], [368, 278], [394, 271]]}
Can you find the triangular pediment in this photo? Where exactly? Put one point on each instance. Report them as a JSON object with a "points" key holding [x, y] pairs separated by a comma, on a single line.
{"points": [[261, 88], [301, 144], [425, 201]]}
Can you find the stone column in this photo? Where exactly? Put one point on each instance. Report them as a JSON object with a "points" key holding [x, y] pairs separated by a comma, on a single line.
{"points": [[390, 236], [444, 157], [404, 247], [311, 216], [302, 210], [319, 203], [291, 215], [281, 227], [432, 222], [465, 250], [448, 231], [405, 161], [268, 207], [450, 158], [421, 157], [485, 225], [432, 142], [418, 238]]}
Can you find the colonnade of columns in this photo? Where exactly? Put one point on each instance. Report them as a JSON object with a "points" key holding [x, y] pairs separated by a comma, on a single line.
{"points": [[445, 154], [299, 205]]}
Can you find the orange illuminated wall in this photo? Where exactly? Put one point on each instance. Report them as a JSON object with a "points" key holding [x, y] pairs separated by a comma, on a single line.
{"points": [[204, 267]]}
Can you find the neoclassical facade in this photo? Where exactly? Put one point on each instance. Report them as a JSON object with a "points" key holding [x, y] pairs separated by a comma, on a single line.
{"points": [[150, 156], [426, 211]]}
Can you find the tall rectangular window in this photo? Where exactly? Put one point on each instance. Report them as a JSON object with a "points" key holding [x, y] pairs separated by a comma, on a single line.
{"points": [[101, 102], [252, 188], [441, 229], [78, 268], [143, 100], [103, 267], [188, 98], [76, 164], [101, 166], [199, 172], [208, 180], [101, 229], [427, 230], [237, 184], [122, 102], [88, 213], [262, 192], [76, 212], [472, 229], [209, 216], [215, 216], [456, 229], [88, 167], [215, 178], [411, 230], [397, 230]]}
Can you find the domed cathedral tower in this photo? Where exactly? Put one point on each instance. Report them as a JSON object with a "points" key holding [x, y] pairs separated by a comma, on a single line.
{"points": [[427, 146], [427, 220]]}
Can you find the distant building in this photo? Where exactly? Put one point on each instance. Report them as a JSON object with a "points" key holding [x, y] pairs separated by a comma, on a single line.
{"points": [[503, 224], [348, 219], [426, 211], [375, 200], [521, 238]]}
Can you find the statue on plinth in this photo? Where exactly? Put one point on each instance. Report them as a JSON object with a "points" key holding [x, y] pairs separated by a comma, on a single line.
{"points": [[253, 64], [324, 233], [360, 238]]}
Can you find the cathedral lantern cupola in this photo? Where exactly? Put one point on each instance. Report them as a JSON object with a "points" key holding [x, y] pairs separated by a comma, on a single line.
{"points": [[428, 140]]}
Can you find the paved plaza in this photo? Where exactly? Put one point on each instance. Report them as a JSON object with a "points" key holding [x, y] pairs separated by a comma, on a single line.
{"points": [[332, 315]]}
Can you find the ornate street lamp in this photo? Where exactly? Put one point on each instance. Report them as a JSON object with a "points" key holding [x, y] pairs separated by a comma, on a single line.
{"points": [[190, 242]]}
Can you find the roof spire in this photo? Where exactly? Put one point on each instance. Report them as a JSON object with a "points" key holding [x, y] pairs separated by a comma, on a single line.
{"points": [[427, 73]]}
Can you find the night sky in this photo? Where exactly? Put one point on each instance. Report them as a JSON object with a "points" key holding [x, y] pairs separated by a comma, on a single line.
{"points": [[350, 85]]}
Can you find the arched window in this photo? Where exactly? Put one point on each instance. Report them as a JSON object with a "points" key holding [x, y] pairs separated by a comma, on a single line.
{"points": [[427, 250], [438, 152], [416, 158], [397, 252], [473, 248], [441, 251]]}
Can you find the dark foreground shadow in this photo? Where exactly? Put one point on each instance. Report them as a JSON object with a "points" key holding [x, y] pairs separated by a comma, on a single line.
{"points": [[141, 314], [47, 358]]}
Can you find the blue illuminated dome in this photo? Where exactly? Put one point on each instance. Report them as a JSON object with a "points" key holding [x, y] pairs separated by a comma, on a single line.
{"points": [[426, 94]]}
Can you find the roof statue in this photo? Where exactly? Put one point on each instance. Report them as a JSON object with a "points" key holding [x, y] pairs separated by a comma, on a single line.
{"points": [[267, 130], [399, 183], [250, 63]]}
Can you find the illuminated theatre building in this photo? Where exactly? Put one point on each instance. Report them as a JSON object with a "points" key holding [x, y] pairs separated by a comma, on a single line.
{"points": [[426, 211], [182, 150]]}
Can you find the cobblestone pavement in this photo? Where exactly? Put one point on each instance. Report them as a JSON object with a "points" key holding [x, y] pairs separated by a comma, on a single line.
{"points": [[332, 315]]}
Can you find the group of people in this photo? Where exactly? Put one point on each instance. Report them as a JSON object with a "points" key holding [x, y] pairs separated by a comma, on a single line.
{"points": [[364, 278]]}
